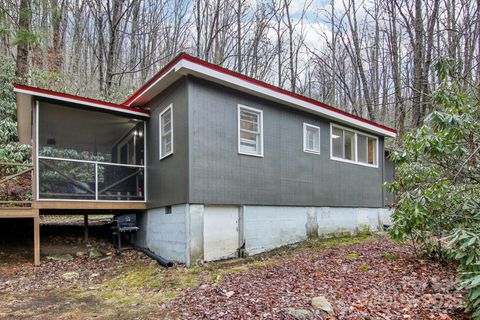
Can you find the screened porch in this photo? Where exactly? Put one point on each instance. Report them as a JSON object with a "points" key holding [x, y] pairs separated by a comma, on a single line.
{"points": [[89, 155]]}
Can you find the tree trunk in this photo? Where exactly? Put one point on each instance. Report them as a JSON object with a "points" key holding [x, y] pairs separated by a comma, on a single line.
{"points": [[291, 55], [333, 58], [112, 45], [428, 59], [55, 54], [358, 61], [417, 65], [24, 21], [399, 102], [239, 36]]}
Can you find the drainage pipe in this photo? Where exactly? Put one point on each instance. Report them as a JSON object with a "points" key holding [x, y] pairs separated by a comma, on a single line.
{"points": [[164, 262]]}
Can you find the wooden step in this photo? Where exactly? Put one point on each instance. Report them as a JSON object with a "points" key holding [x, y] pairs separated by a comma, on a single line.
{"points": [[19, 213]]}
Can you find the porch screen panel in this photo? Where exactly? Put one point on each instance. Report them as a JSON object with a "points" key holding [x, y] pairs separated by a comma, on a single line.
{"points": [[120, 183], [81, 134], [89, 155], [61, 179]]}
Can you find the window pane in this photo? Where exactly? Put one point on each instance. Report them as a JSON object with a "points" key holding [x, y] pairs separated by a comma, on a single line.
{"points": [[250, 131], [166, 125], [362, 148], [312, 141], [249, 120], [248, 147], [248, 141], [166, 144], [337, 142], [247, 125], [166, 133], [167, 148], [349, 145], [248, 116], [372, 151], [245, 135]]}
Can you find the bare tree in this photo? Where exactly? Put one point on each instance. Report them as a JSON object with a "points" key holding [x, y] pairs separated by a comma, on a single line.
{"points": [[372, 58], [24, 21]]}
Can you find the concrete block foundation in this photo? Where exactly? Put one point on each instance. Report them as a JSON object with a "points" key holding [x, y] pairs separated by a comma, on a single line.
{"points": [[165, 233], [181, 235]]}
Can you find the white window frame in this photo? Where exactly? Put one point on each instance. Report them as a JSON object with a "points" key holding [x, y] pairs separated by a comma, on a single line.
{"points": [[356, 132], [160, 136], [260, 112], [305, 147]]}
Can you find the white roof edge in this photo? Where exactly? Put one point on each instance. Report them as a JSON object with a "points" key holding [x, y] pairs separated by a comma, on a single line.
{"points": [[237, 82], [144, 91], [72, 100]]}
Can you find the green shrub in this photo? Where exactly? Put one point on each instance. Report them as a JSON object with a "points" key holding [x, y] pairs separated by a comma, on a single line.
{"points": [[11, 150], [437, 182]]}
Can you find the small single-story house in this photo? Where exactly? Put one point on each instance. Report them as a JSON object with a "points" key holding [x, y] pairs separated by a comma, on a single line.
{"points": [[214, 163]]}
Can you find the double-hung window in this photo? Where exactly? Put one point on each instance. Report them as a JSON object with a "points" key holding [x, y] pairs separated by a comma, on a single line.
{"points": [[353, 146], [250, 131], [311, 138], [166, 132], [367, 149]]}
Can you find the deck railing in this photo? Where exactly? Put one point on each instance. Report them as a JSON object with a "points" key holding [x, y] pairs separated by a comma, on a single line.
{"points": [[15, 184], [84, 180]]}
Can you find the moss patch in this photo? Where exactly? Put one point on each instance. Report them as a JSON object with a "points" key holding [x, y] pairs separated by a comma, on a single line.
{"points": [[390, 256], [363, 268], [352, 256]]}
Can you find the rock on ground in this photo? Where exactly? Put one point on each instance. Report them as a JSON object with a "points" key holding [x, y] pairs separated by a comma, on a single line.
{"points": [[323, 304], [299, 313], [94, 253], [60, 257], [70, 275]]}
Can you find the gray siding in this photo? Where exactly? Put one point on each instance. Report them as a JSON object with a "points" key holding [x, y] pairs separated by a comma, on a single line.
{"points": [[167, 179], [285, 175]]}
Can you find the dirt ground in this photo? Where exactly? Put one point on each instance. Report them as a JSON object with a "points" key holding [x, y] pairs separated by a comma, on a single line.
{"points": [[367, 277]]}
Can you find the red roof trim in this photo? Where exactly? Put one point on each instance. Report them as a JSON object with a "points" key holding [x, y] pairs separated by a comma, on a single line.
{"points": [[164, 70], [184, 56], [80, 99]]}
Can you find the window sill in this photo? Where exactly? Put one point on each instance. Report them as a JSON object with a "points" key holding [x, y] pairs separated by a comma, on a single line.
{"points": [[311, 151], [166, 156], [251, 154], [354, 162]]}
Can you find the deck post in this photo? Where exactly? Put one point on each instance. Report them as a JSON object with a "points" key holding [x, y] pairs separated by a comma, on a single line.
{"points": [[36, 240], [85, 227]]}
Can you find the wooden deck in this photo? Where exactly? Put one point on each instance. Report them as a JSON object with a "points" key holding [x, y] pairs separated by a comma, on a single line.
{"points": [[89, 205], [33, 212]]}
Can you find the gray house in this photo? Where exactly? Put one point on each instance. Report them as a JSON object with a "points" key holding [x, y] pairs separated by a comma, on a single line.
{"points": [[213, 162]]}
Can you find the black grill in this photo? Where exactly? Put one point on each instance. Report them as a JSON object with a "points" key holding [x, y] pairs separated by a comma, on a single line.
{"points": [[126, 222], [123, 224]]}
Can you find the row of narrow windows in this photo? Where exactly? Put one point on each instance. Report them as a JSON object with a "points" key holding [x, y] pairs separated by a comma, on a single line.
{"points": [[345, 144]]}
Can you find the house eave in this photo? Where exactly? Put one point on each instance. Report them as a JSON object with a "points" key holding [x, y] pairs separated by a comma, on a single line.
{"points": [[68, 98], [187, 65]]}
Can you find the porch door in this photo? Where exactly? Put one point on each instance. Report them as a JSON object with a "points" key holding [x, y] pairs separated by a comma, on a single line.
{"points": [[220, 232], [126, 150]]}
